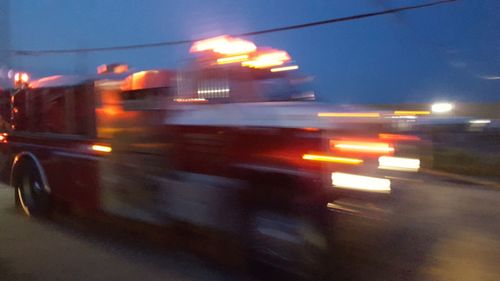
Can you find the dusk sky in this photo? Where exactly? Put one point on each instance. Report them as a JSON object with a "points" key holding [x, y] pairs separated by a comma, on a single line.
{"points": [[447, 52]]}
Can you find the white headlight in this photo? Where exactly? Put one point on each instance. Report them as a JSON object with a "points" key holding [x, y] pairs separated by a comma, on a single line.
{"points": [[398, 163], [361, 183]]}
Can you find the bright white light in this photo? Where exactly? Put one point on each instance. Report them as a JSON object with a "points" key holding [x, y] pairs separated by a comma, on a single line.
{"points": [[190, 100], [480, 121], [360, 183], [285, 68], [360, 146], [101, 148], [215, 91], [398, 163], [404, 117], [441, 107]]}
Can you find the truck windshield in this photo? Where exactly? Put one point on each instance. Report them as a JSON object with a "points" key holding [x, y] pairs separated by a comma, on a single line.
{"points": [[285, 89]]}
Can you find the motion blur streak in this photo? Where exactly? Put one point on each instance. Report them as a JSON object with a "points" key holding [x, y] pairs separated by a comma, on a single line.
{"points": [[358, 146], [191, 100], [232, 59], [137, 79], [480, 121], [268, 59], [348, 114], [324, 158], [339, 207], [398, 163], [213, 91], [396, 137], [208, 44], [404, 117], [361, 183], [101, 148], [41, 81], [285, 68], [310, 129], [408, 112], [237, 46]]}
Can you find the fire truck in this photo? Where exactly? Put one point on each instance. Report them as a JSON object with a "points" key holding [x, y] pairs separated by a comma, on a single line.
{"points": [[234, 143]]}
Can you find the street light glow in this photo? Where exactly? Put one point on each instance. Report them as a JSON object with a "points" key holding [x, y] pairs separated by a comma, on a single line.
{"points": [[441, 107]]}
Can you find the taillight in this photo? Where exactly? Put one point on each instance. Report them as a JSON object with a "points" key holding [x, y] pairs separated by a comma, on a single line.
{"points": [[399, 163], [3, 138], [101, 148], [332, 159]]}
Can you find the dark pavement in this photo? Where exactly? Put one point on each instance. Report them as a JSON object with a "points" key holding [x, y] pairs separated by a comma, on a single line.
{"points": [[431, 230]]}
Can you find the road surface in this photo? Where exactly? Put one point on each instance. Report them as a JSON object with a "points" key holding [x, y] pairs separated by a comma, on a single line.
{"points": [[432, 230]]}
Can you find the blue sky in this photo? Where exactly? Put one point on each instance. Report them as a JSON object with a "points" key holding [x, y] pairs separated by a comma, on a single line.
{"points": [[439, 53]]}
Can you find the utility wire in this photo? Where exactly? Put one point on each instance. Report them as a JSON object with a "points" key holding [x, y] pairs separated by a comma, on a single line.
{"points": [[259, 32]]}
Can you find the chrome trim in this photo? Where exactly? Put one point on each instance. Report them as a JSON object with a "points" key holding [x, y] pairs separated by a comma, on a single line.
{"points": [[269, 169], [77, 155]]}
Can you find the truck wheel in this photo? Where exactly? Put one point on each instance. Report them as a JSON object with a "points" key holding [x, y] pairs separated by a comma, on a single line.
{"points": [[290, 244], [30, 195]]}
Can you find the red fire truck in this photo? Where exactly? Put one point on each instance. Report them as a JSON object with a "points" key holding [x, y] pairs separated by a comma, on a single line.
{"points": [[234, 143]]}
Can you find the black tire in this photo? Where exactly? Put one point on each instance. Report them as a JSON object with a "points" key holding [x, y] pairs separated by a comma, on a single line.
{"points": [[290, 244], [31, 197]]}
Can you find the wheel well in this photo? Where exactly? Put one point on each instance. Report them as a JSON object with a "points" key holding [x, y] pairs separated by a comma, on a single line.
{"points": [[19, 163]]}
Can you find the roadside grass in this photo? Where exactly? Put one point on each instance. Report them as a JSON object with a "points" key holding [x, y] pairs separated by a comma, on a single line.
{"points": [[467, 162]]}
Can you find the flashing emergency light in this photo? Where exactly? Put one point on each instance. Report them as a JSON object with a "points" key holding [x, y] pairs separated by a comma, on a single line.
{"points": [[116, 68], [362, 146], [267, 59], [21, 79], [236, 50], [232, 59], [225, 45]]}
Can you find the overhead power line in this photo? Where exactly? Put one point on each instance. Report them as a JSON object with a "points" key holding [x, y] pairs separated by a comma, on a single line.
{"points": [[259, 32]]}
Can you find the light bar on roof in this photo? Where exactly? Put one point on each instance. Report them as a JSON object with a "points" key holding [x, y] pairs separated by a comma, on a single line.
{"points": [[225, 45], [232, 59], [267, 59]]}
